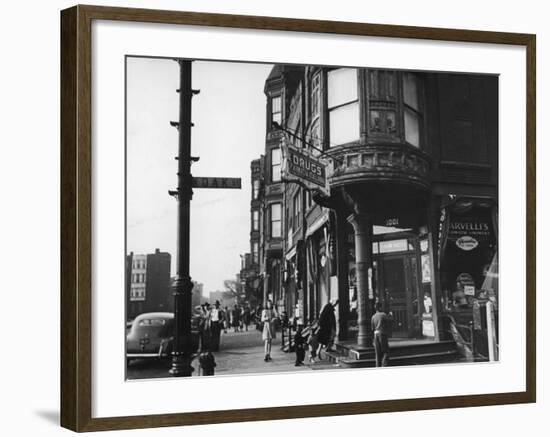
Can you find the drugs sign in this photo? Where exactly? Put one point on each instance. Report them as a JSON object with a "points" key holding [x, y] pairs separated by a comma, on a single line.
{"points": [[305, 167]]}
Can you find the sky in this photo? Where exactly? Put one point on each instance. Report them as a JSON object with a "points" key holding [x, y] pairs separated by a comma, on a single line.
{"points": [[229, 132]]}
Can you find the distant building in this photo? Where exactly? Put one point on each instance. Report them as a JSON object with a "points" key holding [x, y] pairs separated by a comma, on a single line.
{"points": [[148, 283], [222, 297], [197, 297]]}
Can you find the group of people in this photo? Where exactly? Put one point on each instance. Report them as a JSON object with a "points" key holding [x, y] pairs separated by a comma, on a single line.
{"points": [[314, 338], [322, 335], [214, 319]]}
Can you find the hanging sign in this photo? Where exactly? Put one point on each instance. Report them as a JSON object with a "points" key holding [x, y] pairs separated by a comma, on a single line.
{"points": [[305, 167]]}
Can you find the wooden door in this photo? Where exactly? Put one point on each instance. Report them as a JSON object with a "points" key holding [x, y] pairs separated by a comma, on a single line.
{"points": [[395, 291]]}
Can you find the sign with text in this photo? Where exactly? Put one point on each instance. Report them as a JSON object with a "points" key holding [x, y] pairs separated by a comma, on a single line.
{"points": [[216, 182], [305, 167]]}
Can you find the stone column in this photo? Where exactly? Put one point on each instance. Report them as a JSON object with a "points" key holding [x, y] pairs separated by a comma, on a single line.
{"points": [[362, 226]]}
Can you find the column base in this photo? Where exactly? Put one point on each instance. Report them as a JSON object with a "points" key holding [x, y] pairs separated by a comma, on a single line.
{"points": [[181, 365]]}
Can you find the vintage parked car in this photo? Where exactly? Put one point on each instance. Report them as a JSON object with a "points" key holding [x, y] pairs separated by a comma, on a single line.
{"points": [[152, 336]]}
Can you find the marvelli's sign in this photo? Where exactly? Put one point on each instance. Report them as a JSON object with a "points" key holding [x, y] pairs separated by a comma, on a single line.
{"points": [[470, 231], [305, 167], [478, 228]]}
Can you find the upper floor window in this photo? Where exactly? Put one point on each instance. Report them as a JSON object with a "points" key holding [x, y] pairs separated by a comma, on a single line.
{"points": [[382, 94], [276, 115], [255, 220], [296, 208], [255, 189], [343, 106], [275, 164], [255, 252], [411, 109], [275, 214], [315, 96]]}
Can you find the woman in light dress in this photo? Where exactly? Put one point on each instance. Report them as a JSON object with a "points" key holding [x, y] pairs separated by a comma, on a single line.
{"points": [[269, 315]]}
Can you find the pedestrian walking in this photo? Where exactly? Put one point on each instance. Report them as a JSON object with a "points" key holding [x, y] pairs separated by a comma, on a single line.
{"points": [[380, 323], [216, 321], [235, 318], [204, 327], [327, 327], [299, 345], [246, 316], [268, 318], [226, 319]]}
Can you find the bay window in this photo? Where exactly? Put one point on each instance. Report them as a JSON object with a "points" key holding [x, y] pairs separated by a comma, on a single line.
{"points": [[343, 106], [411, 109], [275, 164], [255, 252], [276, 115], [255, 220], [275, 217]]}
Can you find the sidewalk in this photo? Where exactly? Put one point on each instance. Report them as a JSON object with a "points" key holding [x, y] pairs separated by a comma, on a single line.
{"points": [[243, 353]]}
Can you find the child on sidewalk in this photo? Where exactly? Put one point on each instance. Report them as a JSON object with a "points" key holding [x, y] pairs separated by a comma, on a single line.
{"points": [[313, 344], [299, 345]]}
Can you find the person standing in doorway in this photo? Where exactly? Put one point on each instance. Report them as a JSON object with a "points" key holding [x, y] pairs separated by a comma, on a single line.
{"points": [[380, 324], [268, 334]]}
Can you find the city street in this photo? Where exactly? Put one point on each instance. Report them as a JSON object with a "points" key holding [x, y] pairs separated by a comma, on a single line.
{"points": [[240, 353]]}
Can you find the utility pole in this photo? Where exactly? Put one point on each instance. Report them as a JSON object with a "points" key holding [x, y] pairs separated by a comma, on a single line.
{"points": [[182, 287]]}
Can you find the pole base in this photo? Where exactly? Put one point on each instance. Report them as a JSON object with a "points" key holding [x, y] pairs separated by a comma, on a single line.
{"points": [[181, 366]]}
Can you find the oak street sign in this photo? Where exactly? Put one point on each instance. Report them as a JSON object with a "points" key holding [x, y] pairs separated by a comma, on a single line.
{"points": [[305, 167], [216, 182]]}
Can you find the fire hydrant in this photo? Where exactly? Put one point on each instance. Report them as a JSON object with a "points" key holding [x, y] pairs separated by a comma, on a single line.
{"points": [[207, 363]]}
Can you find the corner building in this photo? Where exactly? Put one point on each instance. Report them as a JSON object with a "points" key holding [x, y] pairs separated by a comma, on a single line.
{"points": [[410, 218]]}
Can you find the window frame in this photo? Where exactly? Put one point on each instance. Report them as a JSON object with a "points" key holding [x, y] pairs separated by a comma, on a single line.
{"points": [[272, 221], [255, 189], [278, 165], [276, 97], [330, 110], [255, 220], [418, 112]]}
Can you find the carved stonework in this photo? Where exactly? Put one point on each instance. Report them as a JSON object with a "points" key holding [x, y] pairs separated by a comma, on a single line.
{"points": [[390, 162]]}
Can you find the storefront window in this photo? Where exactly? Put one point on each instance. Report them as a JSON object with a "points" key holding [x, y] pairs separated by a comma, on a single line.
{"points": [[343, 106]]}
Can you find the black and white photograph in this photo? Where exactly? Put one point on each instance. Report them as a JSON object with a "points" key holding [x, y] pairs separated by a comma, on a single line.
{"points": [[295, 218]]}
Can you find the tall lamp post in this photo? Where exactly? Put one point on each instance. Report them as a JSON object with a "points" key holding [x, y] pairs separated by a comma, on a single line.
{"points": [[182, 354]]}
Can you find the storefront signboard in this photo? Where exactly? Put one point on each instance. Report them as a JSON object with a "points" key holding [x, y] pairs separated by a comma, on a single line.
{"points": [[305, 167]]}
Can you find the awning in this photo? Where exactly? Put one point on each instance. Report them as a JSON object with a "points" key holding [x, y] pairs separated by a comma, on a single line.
{"points": [[316, 225]]}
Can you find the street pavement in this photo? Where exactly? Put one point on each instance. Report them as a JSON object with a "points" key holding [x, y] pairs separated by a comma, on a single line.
{"points": [[240, 353]]}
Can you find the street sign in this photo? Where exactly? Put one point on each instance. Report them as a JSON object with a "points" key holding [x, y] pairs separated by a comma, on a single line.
{"points": [[217, 182], [306, 167]]}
